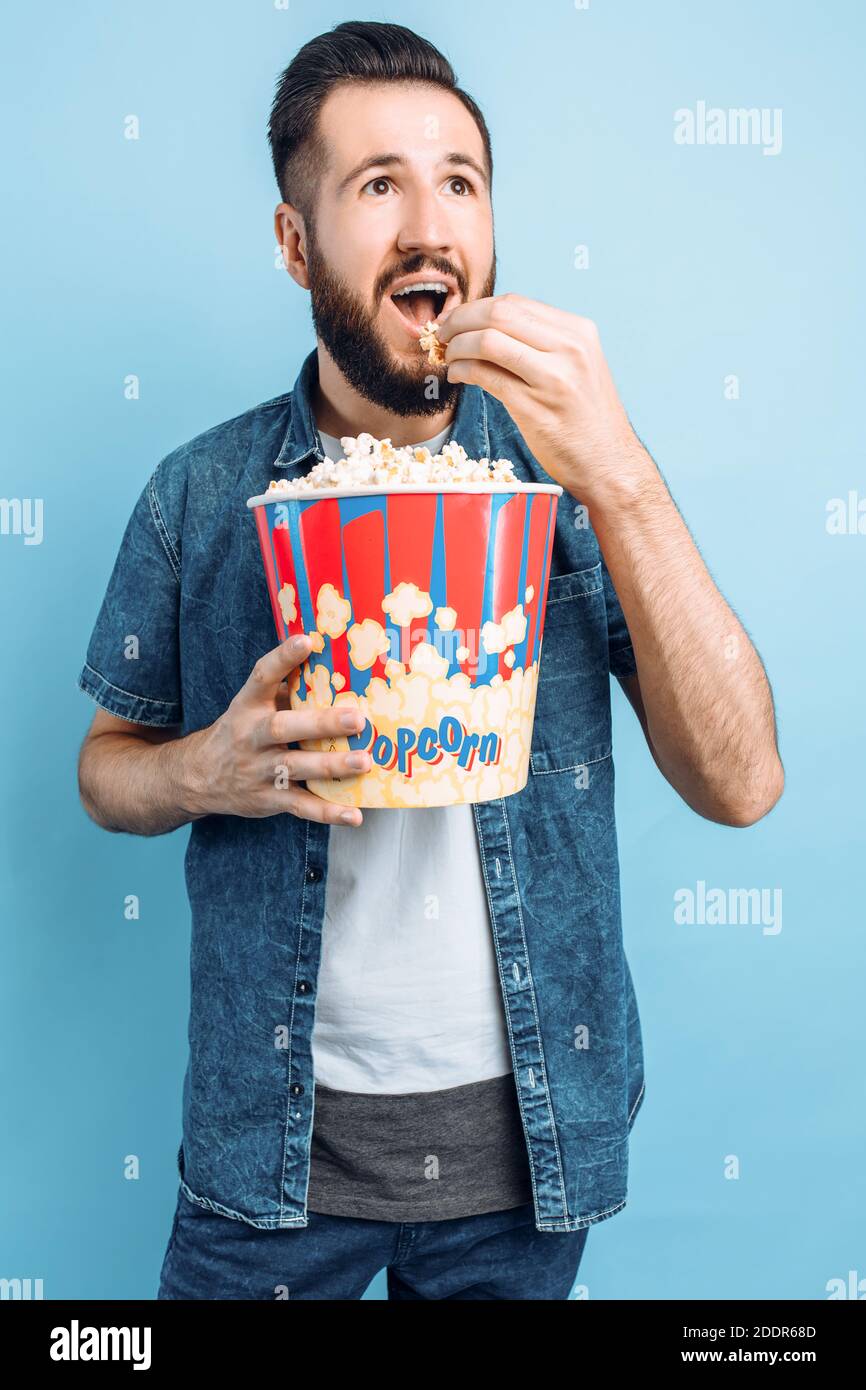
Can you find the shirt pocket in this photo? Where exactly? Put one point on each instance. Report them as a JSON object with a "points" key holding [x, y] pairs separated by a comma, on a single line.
{"points": [[572, 710]]}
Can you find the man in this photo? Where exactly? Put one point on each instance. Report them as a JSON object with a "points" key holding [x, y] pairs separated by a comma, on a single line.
{"points": [[451, 1096]]}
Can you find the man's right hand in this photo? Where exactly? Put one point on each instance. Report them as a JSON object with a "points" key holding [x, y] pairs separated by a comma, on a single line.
{"points": [[239, 765]]}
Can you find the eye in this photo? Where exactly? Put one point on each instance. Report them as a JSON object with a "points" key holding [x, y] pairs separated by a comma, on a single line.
{"points": [[377, 187], [460, 187]]}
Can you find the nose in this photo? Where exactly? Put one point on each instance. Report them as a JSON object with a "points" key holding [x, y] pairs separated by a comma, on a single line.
{"points": [[425, 226]]}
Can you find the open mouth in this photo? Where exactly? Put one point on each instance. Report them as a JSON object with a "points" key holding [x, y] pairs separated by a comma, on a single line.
{"points": [[422, 302]]}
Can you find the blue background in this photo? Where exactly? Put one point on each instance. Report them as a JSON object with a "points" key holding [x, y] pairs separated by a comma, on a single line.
{"points": [[156, 257]]}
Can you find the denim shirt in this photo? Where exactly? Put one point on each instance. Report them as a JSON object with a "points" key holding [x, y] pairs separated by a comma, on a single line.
{"points": [[189, 585]]}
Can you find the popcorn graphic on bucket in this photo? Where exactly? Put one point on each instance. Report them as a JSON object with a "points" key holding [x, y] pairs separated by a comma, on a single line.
{"points": [[421, 581]]}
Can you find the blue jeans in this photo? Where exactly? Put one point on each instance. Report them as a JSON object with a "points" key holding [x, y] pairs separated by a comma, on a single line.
{"points": [[495, 1255]]}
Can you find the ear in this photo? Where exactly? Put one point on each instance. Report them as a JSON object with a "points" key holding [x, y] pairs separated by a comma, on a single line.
{"points": [[291, 235]]}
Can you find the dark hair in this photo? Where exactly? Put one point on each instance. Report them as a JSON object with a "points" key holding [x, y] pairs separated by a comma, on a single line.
{"points": [[357, 51]]}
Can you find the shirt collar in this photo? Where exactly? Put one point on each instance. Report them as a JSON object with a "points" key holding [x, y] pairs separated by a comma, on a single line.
{"points": [[302, 443]]}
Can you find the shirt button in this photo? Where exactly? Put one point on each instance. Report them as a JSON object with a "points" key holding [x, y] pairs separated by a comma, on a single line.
{"points": [[297, 1089], [303, 987], [313, 875]]}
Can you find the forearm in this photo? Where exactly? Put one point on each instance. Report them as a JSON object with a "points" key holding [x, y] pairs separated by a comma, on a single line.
{"points": [[129, 784], [708, 703]]}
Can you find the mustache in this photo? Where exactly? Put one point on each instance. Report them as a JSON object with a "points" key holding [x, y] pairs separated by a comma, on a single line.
{"points": [[411, 265]]}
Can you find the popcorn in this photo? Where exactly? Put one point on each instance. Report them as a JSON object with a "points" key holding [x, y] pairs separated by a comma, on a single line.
{"points": [[332, 612], [286, 600], [446, 618], [369, 462], [429, 343], [407, 602], [367, 642], [496, 637]]}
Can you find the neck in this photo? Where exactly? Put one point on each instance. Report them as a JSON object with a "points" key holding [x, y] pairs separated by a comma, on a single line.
{"points": [[340, 410]]}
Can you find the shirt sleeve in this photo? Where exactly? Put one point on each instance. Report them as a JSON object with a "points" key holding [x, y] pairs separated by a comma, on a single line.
{"points": [[620, 650], [132, 664]]}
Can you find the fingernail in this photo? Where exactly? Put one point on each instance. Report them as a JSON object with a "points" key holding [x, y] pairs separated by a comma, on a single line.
{"points": [[298, 643], [357, 760], [349, 721], [348, 817]]}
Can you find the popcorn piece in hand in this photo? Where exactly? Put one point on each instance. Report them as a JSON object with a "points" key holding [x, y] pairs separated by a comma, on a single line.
{"points": [[431, 345]]}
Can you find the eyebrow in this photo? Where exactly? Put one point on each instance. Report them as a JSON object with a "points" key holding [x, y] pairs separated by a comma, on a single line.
{"points": [[375, 161]]}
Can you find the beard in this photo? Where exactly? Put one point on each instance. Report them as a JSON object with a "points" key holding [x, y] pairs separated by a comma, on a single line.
{"points": [[348, 329]]}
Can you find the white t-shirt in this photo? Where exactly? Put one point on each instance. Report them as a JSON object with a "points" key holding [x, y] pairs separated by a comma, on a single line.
{"points": [[409, 997]]}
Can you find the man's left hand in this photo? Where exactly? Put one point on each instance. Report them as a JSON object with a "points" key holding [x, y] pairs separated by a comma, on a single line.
{"points": [[548, 369]]}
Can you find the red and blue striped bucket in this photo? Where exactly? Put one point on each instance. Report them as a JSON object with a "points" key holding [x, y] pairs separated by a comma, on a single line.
{"points": [[426, 607]]}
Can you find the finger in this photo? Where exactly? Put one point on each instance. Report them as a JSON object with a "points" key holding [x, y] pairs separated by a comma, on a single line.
{"points": [[271, 669], [308, 806], [536, 324], [501, 384], [514, 356], [287, 688], [309, 721], [297, 765]]}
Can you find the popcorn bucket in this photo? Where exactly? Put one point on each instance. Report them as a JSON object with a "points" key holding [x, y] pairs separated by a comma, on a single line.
{"points": [[425, 607]]}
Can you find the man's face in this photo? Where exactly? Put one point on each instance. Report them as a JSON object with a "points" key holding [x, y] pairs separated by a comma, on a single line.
{"points": [[403, 202]]}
